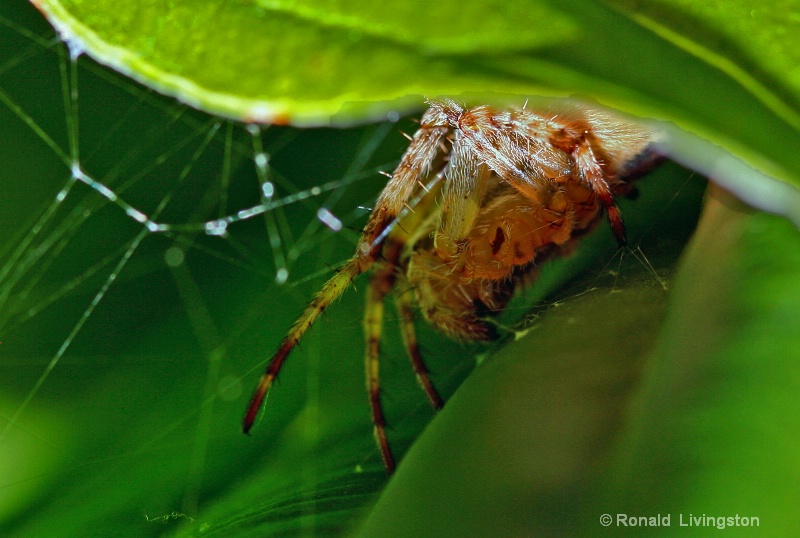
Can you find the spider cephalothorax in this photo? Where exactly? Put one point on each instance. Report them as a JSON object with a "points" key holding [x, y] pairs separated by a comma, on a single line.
{"points": [[496, 190]]}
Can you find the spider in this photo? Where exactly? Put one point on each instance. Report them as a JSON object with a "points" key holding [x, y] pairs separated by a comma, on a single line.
{"points": [[498, 190]]}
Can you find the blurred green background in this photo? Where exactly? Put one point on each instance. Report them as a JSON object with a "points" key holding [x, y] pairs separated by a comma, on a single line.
{"points": [[127, 356]]}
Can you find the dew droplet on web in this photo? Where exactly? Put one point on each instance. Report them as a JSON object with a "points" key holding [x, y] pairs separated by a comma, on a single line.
{"points": [[216, 227], [76, 48], [74, 44], [267, 189], [281, 276], [262, 161], [329, 219]]}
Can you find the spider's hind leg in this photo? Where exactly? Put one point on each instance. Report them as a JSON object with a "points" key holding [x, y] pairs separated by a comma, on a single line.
{"points": [[406, 311], [380, 284]]}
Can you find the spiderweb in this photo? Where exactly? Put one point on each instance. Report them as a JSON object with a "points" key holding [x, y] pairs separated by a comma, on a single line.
{"points": [[151, 258], [144, 243]]}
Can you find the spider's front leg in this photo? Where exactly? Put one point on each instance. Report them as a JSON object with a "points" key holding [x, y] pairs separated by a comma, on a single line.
{"points": [[413, 167], [466, 183]]}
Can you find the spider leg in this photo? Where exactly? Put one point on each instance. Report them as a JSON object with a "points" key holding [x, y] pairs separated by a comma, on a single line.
{"points": [[533, 168], [406, 312], [592, 173], [464, 189], [522, 156], [531, 165], [415, 164], [331, 291], [381, 283]]}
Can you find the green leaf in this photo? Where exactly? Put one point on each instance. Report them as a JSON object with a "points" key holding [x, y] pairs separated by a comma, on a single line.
{"points": [[304, 62], [628, 400], [720, 390], [754, 45]]}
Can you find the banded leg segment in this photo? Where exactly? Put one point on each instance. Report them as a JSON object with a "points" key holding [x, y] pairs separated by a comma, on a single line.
{"points": [[592, 173], [464, 189], [381, 283], [415, 164], [331, 291], [406, 312]]}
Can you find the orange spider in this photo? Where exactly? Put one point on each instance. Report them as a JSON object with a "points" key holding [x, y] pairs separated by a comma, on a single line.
{"points": [[517, 186]]}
